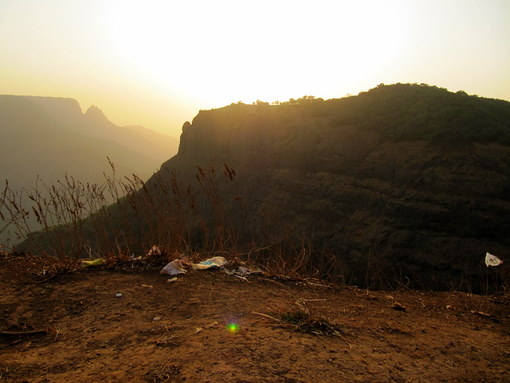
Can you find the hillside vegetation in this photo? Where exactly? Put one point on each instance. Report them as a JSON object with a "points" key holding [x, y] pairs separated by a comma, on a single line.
{"points": [[422, 112], [402, 112]]}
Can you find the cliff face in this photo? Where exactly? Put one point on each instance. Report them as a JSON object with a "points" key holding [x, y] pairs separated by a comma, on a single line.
{"points": [[400, 205]]}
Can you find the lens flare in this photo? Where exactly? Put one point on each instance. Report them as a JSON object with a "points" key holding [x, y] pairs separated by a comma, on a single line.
{"points": [[232, 327]]}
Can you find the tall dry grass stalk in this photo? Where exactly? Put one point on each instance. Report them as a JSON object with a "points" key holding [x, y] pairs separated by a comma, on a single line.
{"points": [[122, 215]]}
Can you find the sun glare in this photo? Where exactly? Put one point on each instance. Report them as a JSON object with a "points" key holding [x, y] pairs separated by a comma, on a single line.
{"points": [[221, 52]]}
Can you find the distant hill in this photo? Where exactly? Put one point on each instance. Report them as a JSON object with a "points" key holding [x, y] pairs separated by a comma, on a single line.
{"points": [[93, 123], [51, 137]]}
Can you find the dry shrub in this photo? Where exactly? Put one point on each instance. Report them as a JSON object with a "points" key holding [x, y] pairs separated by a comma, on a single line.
{"points": [[25, 267], [164, 373], [296, 260], [301, 319]]}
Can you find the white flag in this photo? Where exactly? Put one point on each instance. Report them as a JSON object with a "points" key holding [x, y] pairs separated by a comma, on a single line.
{"points": [[492, 260]]}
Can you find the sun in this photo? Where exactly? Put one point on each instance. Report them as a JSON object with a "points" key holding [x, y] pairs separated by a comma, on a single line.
{"points": [[227, 51]]}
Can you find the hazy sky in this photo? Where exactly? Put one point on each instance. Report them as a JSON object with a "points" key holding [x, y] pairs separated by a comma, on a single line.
{"points": [[156, 63]]}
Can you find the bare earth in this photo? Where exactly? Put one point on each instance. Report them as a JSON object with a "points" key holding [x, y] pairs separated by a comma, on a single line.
{"points": [[160, 331]]}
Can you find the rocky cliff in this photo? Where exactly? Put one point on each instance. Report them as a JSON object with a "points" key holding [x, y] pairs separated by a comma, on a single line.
{"points": [[404, 183]]}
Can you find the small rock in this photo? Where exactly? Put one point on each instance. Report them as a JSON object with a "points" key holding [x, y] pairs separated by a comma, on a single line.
{"points": [[397, 306], [118, 295], [156, 318], [174, 279]]}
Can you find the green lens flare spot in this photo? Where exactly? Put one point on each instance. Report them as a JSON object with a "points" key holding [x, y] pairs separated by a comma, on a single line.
{"points": [[232, 328]]}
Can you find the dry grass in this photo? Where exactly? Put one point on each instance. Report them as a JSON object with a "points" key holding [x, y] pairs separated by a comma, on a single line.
{"points": [[164, 373], [39, 268], [70, 219], [121, 219], [302, 319]]}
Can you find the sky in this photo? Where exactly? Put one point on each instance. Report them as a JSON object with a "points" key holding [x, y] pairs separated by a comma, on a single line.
{"points": [[157, 63]]}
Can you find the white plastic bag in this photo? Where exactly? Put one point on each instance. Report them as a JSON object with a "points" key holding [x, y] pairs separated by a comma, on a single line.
{"points": [[173, 268], [492, 260]]}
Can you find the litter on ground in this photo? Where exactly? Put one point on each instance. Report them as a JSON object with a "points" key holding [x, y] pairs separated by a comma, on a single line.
{"points": [[210, 263], [492, 260], [94, 262], [173, 268], [242, 271]]}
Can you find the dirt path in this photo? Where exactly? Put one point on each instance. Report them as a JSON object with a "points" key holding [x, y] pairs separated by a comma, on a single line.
{"points": [[178, 332]]}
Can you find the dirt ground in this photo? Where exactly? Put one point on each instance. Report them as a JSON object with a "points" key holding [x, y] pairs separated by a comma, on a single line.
{"points": [[182, 331]]}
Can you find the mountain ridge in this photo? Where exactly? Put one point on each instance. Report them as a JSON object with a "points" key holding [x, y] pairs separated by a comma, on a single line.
{"points": [[50, 138], [419, 193], [93, 122]]}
